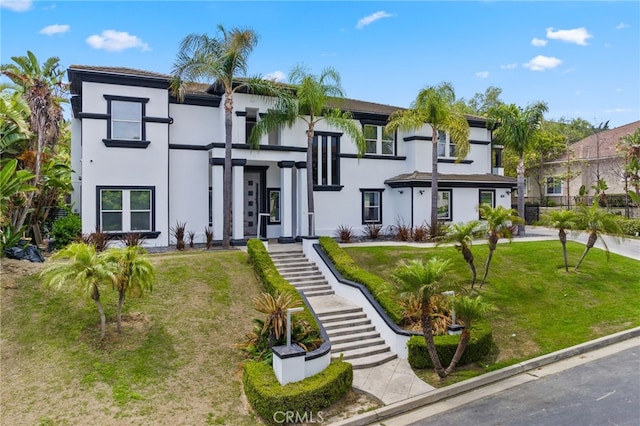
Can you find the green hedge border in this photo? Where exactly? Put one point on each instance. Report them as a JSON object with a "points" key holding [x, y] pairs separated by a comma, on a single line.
{"points": [[307, 397], [478, 347], [382, 291]]}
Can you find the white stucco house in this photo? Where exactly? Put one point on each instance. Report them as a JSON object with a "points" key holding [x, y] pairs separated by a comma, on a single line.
{"points": [[144, 161]]}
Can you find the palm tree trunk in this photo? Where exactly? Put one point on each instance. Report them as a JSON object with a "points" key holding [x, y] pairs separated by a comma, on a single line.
{"points": [[563, 240], [119, 315], [520, 183], [434, 181], [493, 241], [310, 207], [468, 257], [95, 295], [427, 331], [462, 346], [226, 177], [590, 243]]}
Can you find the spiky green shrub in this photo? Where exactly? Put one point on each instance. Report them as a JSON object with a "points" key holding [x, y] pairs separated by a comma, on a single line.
{"points": [[66, 230]]}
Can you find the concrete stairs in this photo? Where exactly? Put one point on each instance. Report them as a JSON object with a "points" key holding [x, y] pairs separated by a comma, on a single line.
{"points": [[350, 331]]}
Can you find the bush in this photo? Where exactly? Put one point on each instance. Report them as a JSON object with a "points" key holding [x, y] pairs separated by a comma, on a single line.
{"points": [[382, 291], [372, 230], [66, 230], [478, 347], [629, 226], [344, 233], [306, 397], [271, 279]]}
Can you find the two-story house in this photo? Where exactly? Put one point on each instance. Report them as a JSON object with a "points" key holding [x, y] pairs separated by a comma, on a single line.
{"points": [[144, 161]]}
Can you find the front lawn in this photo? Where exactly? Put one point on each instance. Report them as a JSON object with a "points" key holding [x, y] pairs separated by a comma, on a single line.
{"points": [[541, 308]]}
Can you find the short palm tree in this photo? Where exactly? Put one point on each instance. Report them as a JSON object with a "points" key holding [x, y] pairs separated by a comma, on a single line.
{"points": [[596, 221], [468, 310], [275, 306], [436, 106], [312, 103], [422, 279], [462, 235], [561, 220], [133, 274], [516, 130], [499, 221], [86, 268]]}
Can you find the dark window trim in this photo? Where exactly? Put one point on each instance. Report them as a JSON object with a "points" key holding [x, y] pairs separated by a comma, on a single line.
{"points": [[477, 142], [362, 192], [453, 161], [493, 204], [123, 143], [93, 115], [327, 188], [450, 191], [261, 147], [375, 157], [128, 188], [126, 98], [269, 191]]}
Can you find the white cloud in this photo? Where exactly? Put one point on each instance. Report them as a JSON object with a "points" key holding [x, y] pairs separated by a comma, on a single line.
{"points": [[538, 42], [541, 63], [509, 66], [16, 5], [116, 41], [372, 18], [621, 26], [577, 35], [617, 110], [275, 76], [482, 74], [55, 29]]}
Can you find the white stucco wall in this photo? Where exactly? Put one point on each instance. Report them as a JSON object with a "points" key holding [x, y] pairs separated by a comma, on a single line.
{"points": [[196, 125]]}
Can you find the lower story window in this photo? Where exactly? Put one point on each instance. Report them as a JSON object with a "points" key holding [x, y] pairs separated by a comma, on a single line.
{"points": [[125, 209], [444, 205], [487, 197], [371, 205], [554, 186]]}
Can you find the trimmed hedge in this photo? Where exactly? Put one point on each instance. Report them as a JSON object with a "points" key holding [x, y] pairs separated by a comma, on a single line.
{"points": [[629, 226], [306, 397], [478, 347], [382, 291], [271, 279]]}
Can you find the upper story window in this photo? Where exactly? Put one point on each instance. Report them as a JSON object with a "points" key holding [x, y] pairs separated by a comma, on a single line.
{"points": [[446, 148], [250, 121], [126, 120], [378, 140], [326, 162]]}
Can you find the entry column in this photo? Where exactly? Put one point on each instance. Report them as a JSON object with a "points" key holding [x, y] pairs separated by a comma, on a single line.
{"points": [[217, 186], [301, 201], [237, 208], [286, 202]]}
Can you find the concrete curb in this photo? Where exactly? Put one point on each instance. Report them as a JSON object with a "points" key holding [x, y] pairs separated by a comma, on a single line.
{"points": [[484, 380]]}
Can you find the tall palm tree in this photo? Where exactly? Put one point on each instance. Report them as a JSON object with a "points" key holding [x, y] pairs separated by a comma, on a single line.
{"points": [[499, 221], [561, 220], [462, 235], [86, 268], [436, 106], [596, 221], [468, 310], [516, 130], [222, 59], [422, 279], [42, 88], [133, 274], [314, 96]]}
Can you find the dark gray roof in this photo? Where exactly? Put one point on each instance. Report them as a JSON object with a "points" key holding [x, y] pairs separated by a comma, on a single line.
{"points": [[417, 178]]}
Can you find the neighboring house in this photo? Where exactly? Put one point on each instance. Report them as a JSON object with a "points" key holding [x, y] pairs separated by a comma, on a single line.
{"points": [[143, 162], [588, 160]]}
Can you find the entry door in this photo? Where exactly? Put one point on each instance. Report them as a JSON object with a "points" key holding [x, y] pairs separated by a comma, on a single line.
{"points": [[251, 203]]}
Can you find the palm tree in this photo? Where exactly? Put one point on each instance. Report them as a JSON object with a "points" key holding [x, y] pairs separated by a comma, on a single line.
{"points": [[221, 59], [561, 220], [468, 310], [86, 269], [42, 88], [462, 234], [516, 130], [422, 279], [499, 222], [276, 309], [14, 127], [313, 96], [437, 106], [133, 274], [596, 221]]}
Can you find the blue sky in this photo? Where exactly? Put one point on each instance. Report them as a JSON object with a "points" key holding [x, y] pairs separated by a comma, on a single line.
{"points": [[582, 58]]}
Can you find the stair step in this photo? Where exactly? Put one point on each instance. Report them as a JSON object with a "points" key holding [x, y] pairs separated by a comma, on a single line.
{"points": [[315, 293], [328, 313], [361, 352], [286, 254], [294, 278], [353, 337], [346, 323], [372, 360], [307, 284], [358, 329], [292, 262], [294, 269], [356, 344], [301, 274], [343, 317]]}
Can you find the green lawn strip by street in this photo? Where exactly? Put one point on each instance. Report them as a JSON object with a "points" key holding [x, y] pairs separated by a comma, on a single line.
{"points": [[541, 308]]}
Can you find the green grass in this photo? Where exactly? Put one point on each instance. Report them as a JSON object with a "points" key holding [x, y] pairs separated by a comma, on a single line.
{"points": [[541, 308], [174, 359]]}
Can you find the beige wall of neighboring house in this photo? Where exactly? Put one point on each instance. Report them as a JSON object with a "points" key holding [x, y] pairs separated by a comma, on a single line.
{"points": [[587, 160]]}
